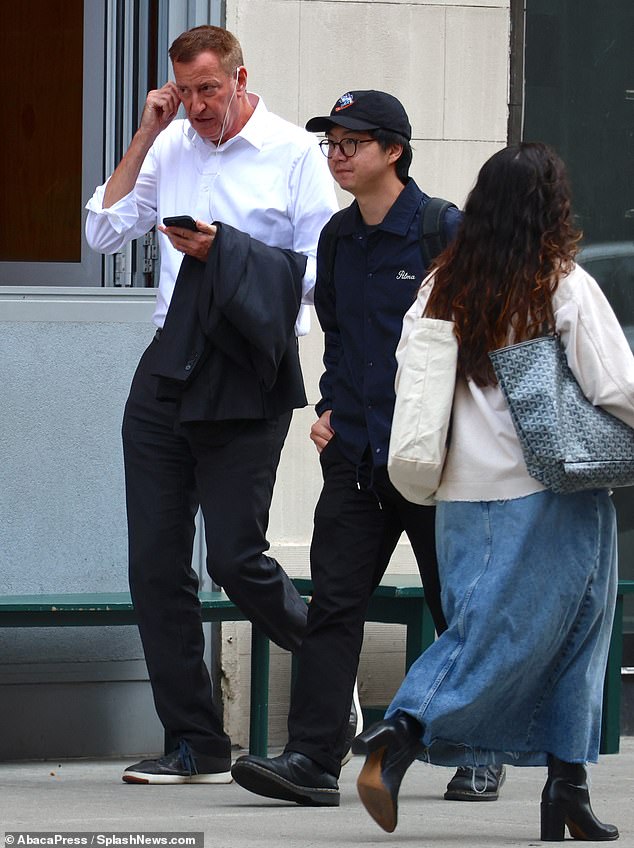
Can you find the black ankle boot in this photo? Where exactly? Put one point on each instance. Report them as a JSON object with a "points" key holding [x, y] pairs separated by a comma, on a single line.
{"points": [[390, 747], [566, 802]]}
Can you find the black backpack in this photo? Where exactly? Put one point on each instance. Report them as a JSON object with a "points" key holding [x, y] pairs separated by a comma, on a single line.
{"points": [[432, 232]]}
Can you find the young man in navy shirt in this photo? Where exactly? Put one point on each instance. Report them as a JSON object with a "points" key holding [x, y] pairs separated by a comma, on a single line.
{"points": [[369, 268]]}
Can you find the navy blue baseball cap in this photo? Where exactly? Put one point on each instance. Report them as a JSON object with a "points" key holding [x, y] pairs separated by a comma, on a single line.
{"points": [[365, 110]]}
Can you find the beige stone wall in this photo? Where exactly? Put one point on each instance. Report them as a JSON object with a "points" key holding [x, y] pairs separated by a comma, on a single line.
{"points": [[448, 62]]}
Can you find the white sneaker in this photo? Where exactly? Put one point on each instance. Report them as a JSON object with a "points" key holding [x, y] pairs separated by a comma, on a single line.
{"points": [[355, 725]]}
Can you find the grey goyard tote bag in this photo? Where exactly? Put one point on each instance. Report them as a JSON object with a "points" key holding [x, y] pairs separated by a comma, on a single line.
{"points": [[568, 443]]}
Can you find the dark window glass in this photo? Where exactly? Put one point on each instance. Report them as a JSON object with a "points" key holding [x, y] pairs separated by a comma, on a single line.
{"points": [[579, 97]]}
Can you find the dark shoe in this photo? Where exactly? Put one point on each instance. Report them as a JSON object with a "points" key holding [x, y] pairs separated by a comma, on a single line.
{"points": [[355, 726], [289, 777], [390, 747], [566, 803], [181, 766], [476, 784]]}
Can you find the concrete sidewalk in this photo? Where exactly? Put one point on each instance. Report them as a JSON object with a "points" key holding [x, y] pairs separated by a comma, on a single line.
{"points": [[83, 795]]}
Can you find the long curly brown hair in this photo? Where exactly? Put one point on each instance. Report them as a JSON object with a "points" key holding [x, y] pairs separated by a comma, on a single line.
{"points": [[517, 239]]}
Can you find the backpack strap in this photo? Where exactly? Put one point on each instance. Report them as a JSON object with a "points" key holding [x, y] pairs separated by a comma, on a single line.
{"points": [[432, 230]]}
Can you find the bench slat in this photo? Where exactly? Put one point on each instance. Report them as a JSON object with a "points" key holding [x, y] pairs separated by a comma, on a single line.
{"points": [[94, 601]]}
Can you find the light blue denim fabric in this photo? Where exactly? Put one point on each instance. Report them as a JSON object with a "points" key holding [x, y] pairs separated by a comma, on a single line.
{"points": [[528, 590]]}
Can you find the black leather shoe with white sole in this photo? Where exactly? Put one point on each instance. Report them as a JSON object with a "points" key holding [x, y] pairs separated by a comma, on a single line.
{"points": [[181, 766]]}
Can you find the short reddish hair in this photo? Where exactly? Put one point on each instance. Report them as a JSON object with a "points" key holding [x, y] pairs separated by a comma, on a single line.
{"points": [[190, 44]]}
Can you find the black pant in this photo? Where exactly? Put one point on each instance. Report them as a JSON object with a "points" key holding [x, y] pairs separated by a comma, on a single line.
{"points": [[358, 523], [229, 469]]}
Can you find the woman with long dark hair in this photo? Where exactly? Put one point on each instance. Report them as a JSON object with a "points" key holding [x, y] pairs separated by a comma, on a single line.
{"points": [[528, 576]]}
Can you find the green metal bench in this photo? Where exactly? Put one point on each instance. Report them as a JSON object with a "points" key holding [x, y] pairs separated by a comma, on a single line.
{"points": [[399, 599], [611, 721]]}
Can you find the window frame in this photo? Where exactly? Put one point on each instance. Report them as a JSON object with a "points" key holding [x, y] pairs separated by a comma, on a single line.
{"points": [[88, 271]]}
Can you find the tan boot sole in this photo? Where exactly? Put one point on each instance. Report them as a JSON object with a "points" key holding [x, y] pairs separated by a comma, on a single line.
{"points": [[375, 796]]}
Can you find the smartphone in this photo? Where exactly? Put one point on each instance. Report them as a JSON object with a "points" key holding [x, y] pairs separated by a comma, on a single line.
{"points": [[184, 221]]}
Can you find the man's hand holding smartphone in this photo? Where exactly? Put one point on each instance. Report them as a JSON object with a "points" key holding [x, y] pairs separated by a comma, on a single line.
{"points": [[185, 222], [189, 236]]}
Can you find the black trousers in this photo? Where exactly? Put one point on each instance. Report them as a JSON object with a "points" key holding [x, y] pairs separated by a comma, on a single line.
{"points": [[358, 523], [228, 468]]}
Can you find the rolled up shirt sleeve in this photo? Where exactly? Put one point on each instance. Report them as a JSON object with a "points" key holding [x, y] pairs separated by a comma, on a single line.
{"points": [[108, 229]]}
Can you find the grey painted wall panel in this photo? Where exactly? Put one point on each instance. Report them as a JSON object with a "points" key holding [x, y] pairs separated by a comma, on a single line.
{"points": [[66, 362], [61, 476]]}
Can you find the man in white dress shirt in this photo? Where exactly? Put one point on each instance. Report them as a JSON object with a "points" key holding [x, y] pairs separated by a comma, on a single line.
{"points": [[233, 163]]}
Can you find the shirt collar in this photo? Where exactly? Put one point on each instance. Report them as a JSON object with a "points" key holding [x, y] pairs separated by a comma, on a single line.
{"points": [[252, 132], [399, 217]]}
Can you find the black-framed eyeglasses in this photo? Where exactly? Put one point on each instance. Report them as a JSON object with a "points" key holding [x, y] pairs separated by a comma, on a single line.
{"points": [[347, 146]]}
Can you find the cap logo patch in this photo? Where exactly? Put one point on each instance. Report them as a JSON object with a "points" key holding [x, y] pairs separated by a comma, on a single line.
{"points": [[344, 101]]}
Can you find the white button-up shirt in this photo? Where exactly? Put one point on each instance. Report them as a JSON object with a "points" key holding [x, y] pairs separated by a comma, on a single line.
{"points": [[270, 181]]}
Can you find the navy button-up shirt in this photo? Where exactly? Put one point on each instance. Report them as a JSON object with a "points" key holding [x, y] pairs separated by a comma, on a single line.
{"points": [[377, 273]]}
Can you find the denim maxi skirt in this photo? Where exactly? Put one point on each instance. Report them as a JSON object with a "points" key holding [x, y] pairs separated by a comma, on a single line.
{"points": [[528, 590]]}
